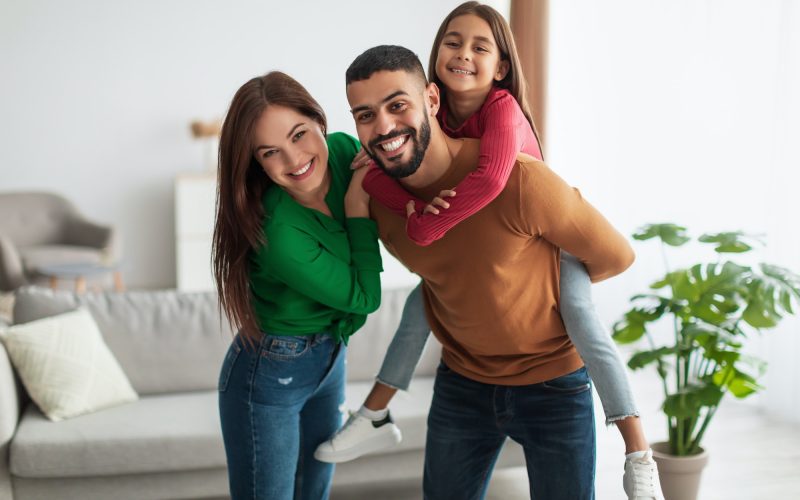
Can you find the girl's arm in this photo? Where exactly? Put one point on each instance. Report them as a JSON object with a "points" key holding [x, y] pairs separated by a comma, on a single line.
{"points": [[388, 192], [504, 131]]}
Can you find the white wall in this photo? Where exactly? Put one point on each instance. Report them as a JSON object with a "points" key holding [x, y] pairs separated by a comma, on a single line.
{"points": [[688, 112], [96, 96]]}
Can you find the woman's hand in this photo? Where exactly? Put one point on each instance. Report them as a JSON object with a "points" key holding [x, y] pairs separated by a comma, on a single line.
{"points": [[356, 200], [361, 160], [430, 208]]}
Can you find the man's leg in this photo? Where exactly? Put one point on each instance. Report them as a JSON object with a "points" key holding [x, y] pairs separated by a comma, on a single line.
{"points": [[554, 422], [463, 440]]}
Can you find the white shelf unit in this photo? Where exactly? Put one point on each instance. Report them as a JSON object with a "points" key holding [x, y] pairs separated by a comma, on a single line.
{"points": [[195, 197]]}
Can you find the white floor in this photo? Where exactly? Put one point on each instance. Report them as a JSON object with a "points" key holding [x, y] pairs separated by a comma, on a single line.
{"points": [[752, 456]]}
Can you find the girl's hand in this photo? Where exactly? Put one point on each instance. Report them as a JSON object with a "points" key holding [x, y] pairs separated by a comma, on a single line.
{"points": [[356, 200], [430, 208], [361, 160]]}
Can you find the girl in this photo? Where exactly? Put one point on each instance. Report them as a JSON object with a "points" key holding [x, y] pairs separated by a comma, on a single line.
{"points": [[475, 64], [297, 267]]}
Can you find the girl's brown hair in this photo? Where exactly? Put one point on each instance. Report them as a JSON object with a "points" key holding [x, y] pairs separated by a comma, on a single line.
{"points": [[241, 184], [514, 81]]}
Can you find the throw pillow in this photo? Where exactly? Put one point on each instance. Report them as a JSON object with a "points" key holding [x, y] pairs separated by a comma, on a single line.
{"points": [[65, 366]]}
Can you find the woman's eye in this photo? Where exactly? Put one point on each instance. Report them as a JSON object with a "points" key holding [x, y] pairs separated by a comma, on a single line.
{"points": [[298, 135], [269, 153]]}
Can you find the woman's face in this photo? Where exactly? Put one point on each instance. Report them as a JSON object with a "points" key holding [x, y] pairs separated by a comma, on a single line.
{"points": [[468, 57], [291, 149]]}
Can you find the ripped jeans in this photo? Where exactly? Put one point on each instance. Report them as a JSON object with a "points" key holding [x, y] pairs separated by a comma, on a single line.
{"points": [[277, 402], [584, 328]]}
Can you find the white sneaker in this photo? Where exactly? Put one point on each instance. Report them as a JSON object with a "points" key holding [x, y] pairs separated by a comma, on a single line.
{"points": [[358, 436], [640, 480]]}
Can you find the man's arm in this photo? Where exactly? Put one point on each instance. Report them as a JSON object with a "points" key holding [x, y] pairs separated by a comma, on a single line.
{"points": [[558, 213]]}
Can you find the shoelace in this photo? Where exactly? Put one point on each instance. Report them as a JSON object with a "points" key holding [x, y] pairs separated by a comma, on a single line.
{"points": [[644, 483]]}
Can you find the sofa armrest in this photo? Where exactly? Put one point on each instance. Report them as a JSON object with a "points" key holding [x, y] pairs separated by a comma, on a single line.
{"points": [[86, 233], [12, 274], [9, 418]]}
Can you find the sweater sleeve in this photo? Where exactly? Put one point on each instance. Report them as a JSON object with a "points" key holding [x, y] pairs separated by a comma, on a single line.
{"points": [[388, 192], [504, 128], [558, 213], [298, 259]]}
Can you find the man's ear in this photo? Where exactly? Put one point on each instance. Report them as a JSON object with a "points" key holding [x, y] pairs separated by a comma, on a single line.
{"points": [[502, 70], [432, 99]]}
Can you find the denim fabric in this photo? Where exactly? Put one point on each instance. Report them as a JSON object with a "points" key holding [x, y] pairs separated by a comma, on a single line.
{"points": [[469, 422], [406, 347], [593, 342], [277, 402]]}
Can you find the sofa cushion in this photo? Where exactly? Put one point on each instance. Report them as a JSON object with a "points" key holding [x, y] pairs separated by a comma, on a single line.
{"points": [[65, 365], [165, 341], [164, 433], [37, 256]]}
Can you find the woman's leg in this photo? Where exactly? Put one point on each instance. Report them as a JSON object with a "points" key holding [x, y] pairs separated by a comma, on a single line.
{"points": [[262, 393]]}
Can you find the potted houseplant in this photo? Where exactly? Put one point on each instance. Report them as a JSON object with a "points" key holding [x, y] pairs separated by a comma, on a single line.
{"points": [[711, 308]]}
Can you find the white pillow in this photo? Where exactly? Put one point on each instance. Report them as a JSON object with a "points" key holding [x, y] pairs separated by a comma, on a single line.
{"points": [[65, 366]]}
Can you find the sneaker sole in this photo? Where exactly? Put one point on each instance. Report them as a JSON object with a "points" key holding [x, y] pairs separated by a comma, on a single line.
{"points": [[384, 442]]}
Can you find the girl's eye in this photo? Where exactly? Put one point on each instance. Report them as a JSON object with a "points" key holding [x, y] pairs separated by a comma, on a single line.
{"points": [[481, 49], [452, 45], [298, 135]]}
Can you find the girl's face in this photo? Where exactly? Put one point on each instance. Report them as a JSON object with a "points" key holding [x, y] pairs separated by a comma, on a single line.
{"points": [[469, 59], [291, 149]]}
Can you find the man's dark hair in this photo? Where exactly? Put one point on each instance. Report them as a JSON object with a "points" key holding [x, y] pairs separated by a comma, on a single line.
{"points": [[384, 58]]}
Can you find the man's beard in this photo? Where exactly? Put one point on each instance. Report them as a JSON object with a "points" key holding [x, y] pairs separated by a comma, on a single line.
{"points": [[420, 143]]}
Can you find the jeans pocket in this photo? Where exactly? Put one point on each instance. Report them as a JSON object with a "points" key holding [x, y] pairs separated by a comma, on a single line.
{"points": [[571, 383], [227, 365], [284, 348]]}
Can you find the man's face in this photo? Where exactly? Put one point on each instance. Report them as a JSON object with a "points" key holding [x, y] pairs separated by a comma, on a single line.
{"points": [[392, 120]]}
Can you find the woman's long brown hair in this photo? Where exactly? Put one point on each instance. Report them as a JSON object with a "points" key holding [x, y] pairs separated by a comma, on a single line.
{"points": [[514, 81], [241, 184]]}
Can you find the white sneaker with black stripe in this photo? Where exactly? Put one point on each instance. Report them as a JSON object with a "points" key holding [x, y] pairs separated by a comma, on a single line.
{"points": [[357, 437]]}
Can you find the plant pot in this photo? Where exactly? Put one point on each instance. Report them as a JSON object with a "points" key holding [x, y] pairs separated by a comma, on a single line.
{"points": [[680, 476]]}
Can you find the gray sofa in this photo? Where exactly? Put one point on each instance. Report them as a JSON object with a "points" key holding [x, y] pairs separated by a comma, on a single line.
{"points": [[168, 444]]}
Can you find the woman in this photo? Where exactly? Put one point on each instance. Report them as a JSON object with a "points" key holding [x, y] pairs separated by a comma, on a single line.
{"points": [[297, 266]]}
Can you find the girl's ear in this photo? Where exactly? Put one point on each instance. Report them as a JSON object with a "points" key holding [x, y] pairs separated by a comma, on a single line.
{"points": [[502, 70]]}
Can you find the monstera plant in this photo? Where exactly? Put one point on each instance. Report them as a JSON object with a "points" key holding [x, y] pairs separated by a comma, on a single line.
{"points": [[711, 308]]}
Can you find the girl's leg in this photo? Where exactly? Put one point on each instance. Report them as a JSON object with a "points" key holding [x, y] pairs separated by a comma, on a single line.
{"points": [[371, 428], [606, 369]]}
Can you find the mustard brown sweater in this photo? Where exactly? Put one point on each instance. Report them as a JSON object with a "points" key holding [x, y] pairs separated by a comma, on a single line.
{"points": [[491, 284]]}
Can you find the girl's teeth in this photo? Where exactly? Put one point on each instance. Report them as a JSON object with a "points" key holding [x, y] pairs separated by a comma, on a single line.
{"points": [[302, 170], [392, 146], [461, 71]]}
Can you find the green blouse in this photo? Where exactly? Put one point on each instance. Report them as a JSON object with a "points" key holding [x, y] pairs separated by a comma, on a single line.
{"points": [[316, 273]]}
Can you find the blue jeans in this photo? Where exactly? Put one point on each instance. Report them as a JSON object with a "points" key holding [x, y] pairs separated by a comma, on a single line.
{"points": [[583, 326], [469, 422], [277, 402]]}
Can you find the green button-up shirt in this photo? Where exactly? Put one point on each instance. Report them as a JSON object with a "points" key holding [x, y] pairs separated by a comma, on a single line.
{"points": [[316, 273]]}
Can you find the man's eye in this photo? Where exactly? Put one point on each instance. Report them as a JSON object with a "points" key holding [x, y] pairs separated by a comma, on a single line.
{"points": [[398, 106], [298, 135], [364, 117]]}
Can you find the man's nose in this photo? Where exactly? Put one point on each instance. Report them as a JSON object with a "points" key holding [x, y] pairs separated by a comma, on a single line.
{"points": [[384, 124]]}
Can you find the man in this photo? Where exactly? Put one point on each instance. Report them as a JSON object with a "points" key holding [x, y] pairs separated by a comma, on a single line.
{"points": [[491, 293]]}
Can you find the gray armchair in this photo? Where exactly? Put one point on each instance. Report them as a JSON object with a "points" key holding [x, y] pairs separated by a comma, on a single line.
{"points": [[43, 229]]}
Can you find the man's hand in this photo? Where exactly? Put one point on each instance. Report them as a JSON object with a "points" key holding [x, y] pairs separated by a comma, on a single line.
{"points": [[430, 208]]}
